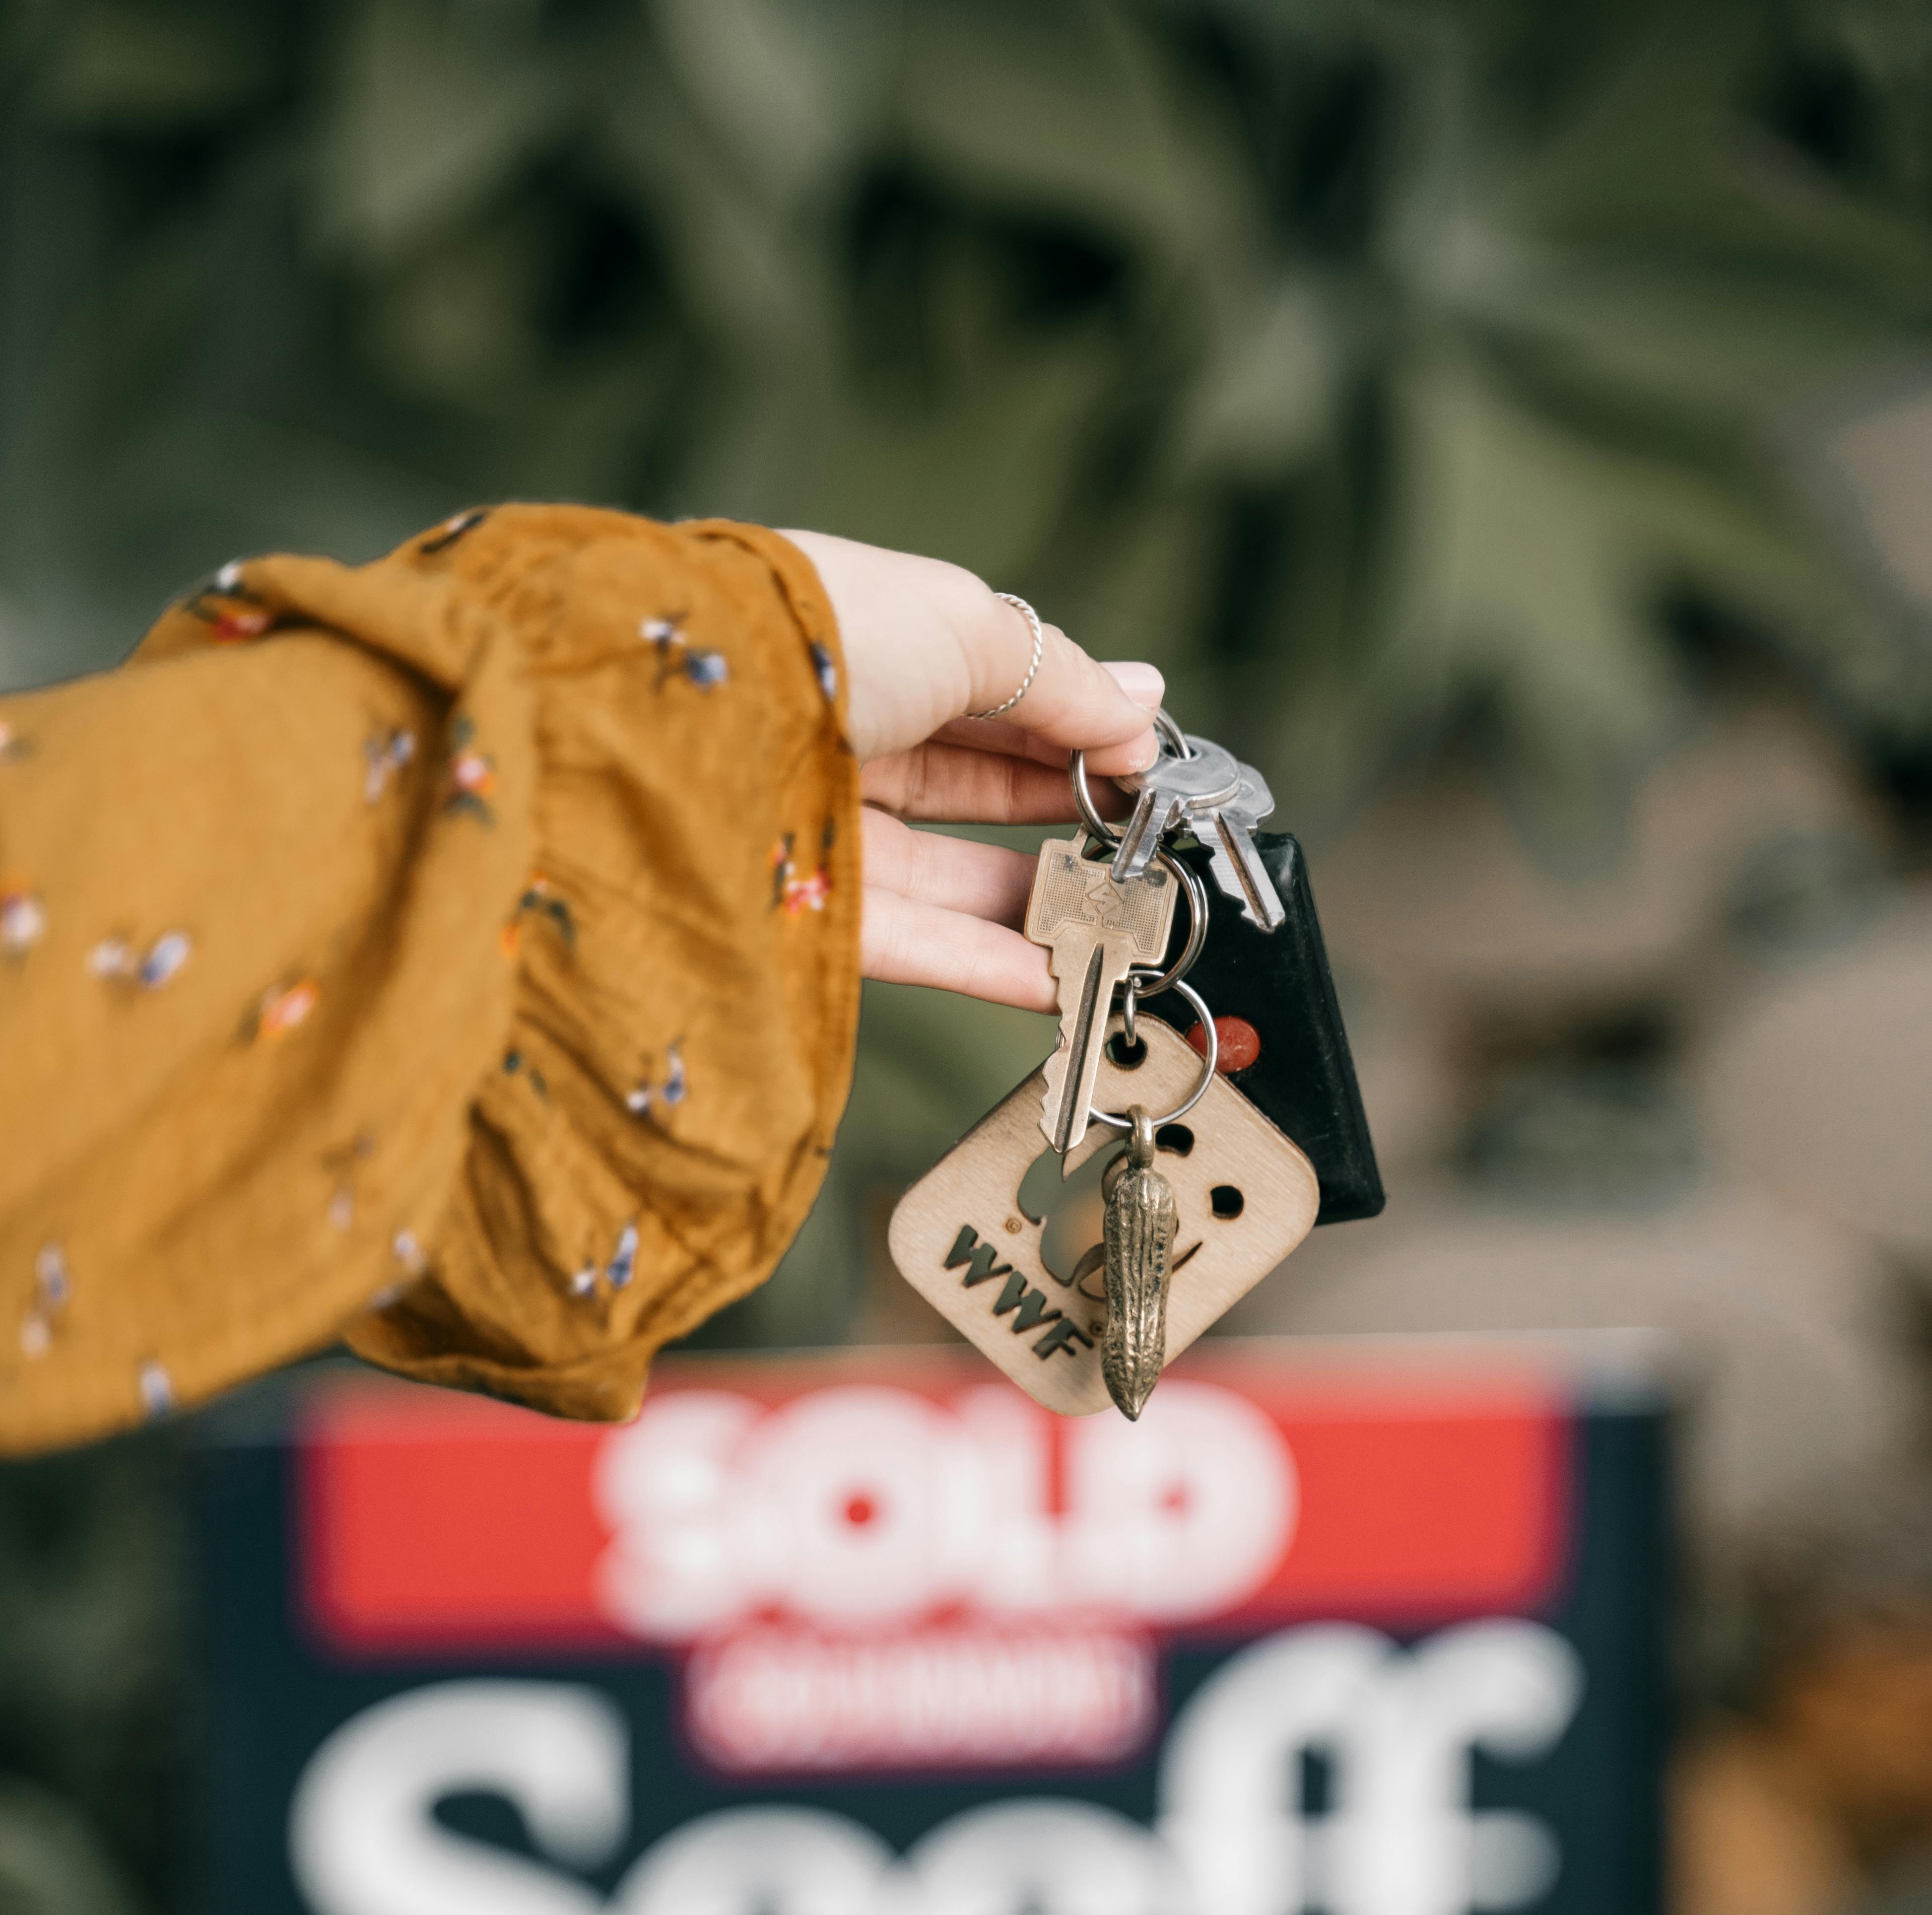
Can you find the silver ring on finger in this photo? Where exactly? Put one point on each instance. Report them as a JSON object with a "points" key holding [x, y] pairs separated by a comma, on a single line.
{"points": [[1032, 617]]}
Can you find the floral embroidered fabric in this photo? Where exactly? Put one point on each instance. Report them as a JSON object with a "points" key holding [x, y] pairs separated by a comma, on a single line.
{"points": [[400, 952]]}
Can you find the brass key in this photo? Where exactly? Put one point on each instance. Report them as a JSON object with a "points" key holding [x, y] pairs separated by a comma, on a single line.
{"points": [[1098, 930]]}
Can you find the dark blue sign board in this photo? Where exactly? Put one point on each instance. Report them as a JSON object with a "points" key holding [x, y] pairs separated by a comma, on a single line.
{"points": [[1367, 1630]]}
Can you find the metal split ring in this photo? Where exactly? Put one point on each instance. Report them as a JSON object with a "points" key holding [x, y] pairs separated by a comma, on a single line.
{"points": [[1032, 617], [1095, 1114], [1083, 796]]}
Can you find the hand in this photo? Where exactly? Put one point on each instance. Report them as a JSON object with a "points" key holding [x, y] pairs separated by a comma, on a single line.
{"points": [[925, 643]]}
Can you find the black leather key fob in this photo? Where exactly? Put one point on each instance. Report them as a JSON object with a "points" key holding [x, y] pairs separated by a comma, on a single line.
{"points": [[1277, 984]]}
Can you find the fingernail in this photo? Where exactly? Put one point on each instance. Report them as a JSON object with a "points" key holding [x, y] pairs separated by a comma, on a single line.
{"points": [[1144, 752], [1141, 682]]}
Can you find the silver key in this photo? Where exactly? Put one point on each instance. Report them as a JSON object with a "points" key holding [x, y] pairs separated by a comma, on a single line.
{"points": [[1168, 789], [1229, 832], [1098, 929]]}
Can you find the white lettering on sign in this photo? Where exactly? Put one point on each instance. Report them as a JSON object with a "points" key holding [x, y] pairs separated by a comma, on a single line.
{"points": [[770, 1861], [1398, 1835], [363, 1836], [1056, 1856], [854, 1507]]}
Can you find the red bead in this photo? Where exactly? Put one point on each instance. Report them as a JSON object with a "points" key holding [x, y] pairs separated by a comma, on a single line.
{"points": [[1241, 1044]]}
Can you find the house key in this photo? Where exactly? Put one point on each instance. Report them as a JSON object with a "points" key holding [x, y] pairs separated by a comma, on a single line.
{"points": [[1098, 929], [1170, 789], [1228, 830]]}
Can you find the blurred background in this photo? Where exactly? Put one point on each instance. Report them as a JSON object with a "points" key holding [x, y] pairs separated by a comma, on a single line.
{"points": [[1509, 425]]}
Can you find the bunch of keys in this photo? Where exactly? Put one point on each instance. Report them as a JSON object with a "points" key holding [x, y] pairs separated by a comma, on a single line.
{"points": [[1162, 1194], [1202, 787]]}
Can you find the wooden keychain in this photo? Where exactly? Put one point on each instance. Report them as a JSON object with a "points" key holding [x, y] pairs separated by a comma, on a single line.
{"points": [[1013, 1252], [1083, 1268]]}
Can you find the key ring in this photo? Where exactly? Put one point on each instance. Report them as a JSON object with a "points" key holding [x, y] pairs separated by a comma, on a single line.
{"points": [[1083, 797], [1095, 1114], [1196, 895]]}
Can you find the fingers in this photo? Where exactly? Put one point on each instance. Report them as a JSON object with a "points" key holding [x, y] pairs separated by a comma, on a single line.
{"points": [[926, 643], [983, 881], [1141, 682], [950, 784], [903, 941], [983, 771], [941, 911], [1074, 703]]}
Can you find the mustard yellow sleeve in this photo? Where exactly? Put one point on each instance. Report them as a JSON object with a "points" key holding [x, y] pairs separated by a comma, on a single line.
{"points": [[459, 952]]}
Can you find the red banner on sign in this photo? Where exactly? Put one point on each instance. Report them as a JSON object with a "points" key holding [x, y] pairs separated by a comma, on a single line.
{"points": [[754, 1508]]}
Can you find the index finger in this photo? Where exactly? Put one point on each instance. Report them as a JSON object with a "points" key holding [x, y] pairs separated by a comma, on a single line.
{"points": [[1142, 683], [927, 642], [1074, 702]]}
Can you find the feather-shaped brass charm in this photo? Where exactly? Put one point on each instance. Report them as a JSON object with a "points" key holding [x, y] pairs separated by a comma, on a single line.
{"points": [[1140, 1229]]}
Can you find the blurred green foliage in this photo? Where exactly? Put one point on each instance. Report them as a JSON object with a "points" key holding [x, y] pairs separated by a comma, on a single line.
{"points": [[90, 1641], [1386, 371], [1376, 367]]}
